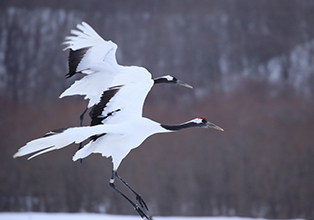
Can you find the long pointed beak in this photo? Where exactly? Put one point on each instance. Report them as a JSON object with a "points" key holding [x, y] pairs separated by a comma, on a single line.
{"points": [[181, 83], [212, 125]]}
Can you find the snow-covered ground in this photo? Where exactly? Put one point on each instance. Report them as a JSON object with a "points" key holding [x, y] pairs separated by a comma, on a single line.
{"points": [[88, 216]]}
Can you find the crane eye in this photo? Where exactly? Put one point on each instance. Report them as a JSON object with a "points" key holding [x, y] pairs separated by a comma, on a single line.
{"points": [[173, 78], [203, 120]]}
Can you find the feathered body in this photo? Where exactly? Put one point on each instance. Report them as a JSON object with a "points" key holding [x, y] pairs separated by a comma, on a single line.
{"points": [[118, 145], [115, 140]]}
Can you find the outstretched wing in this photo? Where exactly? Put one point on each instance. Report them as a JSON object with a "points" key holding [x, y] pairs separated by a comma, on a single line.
{"points": [[91, 55], [124, 101], [95, 57], [88, 51], [62, 138]]}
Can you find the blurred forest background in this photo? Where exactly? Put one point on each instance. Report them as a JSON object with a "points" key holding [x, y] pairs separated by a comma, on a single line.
{"points": [[252, 67]]}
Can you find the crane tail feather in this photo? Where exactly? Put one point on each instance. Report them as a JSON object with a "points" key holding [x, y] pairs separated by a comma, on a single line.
{"points": [[56, 141]]}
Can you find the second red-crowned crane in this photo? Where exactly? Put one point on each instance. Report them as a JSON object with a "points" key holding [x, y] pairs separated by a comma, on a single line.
{"points": [[95, 57]]}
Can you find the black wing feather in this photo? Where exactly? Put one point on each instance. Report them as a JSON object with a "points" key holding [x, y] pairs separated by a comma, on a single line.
{"points": [[97, 110], [96, 113], [75, 57]]}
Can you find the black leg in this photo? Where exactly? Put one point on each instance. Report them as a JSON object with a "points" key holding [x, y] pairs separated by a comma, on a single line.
{"points": [[81, 124], [138, 196], [82, 117], [136, 207]]}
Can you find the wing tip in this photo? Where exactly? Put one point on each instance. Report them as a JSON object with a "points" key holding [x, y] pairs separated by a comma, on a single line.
{"points": [[20, 154]]}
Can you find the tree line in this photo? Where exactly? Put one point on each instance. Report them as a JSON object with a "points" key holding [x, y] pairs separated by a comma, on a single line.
{"points": [[252, 71]]}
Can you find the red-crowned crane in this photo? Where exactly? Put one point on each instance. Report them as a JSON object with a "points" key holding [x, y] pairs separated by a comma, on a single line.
{"points": [[112, 139], [91, 55]]}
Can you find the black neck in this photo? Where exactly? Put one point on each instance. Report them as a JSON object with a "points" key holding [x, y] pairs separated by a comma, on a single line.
{"points": [[180, 126], [162, 80]]}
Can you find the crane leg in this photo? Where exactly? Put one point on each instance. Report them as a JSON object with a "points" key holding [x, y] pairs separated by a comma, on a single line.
{"points": [[138, 196], [82, 117], [136, 207], [81, 124]]}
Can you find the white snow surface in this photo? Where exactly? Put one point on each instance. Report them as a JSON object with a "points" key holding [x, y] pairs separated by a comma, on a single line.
{"points": [[93, 216]]}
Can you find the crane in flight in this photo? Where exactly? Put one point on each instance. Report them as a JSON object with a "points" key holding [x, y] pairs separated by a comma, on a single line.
{"points": [[95, 57], [110, 140]]}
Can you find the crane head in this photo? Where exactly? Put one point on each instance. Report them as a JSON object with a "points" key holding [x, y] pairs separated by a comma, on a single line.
{"points": [[171, 79], [203, 123]]}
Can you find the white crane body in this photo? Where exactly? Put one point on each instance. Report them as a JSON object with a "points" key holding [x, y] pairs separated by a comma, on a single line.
{"points": [[118, 141]]}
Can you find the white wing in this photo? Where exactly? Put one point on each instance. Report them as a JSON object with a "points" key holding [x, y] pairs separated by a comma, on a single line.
{"points": [[123, 101], [91, 55], [89, 50], [61, 139]]}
